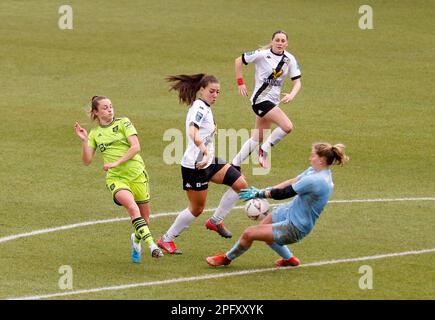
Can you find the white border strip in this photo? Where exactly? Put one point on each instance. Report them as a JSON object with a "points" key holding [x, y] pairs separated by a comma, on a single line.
{"points": [[221, 275], [163, 214]]}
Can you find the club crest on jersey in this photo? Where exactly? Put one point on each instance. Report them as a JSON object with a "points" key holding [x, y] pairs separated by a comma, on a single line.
{"points": [[115, 129], [198, 116], [276, 74]]}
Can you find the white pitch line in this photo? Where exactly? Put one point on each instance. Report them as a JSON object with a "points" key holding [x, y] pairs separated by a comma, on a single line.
{"points": [[164, 214], [221, 275]]}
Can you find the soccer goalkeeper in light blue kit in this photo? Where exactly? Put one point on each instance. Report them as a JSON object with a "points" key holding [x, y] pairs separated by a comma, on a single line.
{"points": [[292, 221]]}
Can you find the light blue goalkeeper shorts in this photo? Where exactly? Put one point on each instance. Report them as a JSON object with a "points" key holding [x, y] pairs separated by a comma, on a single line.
{"points": [[284, 232]]}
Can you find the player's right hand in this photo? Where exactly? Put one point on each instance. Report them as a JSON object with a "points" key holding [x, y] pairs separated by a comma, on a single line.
{"points": [[251, 193], [82, 133], [201, 164]]}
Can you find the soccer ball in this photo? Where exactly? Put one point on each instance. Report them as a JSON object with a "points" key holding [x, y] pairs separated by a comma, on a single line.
{"points": [[257, 209]]}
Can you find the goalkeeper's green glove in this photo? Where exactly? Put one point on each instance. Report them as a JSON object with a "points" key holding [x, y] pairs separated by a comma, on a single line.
{"points": [[251, 193]]}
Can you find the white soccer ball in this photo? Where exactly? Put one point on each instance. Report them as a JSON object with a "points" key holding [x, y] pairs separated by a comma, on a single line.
{"points": [[257, 209]]}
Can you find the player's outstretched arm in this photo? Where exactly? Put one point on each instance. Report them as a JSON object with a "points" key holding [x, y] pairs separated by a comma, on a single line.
{"points": [[286, 183], [87, 152]]}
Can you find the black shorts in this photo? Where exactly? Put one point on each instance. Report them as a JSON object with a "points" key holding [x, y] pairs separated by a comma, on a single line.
{"points": [[197, 179], [262, 108]]}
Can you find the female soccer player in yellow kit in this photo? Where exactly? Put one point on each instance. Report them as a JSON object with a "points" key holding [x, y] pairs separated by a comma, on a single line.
{"points": [[126, 178]]}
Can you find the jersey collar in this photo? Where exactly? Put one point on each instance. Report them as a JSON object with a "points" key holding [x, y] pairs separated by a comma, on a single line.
{"points": [[276, 53], [204, 102], [108, 125]]}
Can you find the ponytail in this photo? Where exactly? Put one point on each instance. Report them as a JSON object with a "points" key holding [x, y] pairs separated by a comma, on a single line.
{"points": [[188, 85], [334, 154], [95, 101], [339, 157]]}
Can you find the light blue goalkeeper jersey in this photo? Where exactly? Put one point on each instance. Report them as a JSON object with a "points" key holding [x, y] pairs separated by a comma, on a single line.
{"points": [[313, 192]]}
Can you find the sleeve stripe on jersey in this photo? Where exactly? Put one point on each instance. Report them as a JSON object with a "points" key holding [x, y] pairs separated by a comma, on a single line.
{"points": [[194, 124], [295, 78], [243, 59]]}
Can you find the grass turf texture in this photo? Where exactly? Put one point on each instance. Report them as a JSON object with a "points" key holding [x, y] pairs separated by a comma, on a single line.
{"points": [[369, 89]]}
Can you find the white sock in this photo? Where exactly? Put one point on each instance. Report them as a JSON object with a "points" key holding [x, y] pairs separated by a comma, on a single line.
{"points": [[245, 151], [153, 247], [137, 245], [183, 221], [228, 201], [276, 136]]}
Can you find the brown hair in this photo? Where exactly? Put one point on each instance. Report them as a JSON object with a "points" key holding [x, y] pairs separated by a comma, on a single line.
{"points": [[95, 102], [188, 85], [334, 154]]}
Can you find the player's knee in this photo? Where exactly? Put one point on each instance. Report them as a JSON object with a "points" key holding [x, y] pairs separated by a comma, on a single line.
{"points": [[240, 184], [288, 127], [248, 234], [232, 178], [197, 210], [132, 209]]}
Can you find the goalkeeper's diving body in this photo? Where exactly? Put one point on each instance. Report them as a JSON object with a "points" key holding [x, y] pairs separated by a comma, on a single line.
{"points": [[290, 222]]}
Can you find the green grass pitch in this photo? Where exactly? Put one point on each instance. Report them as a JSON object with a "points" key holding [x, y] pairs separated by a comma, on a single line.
{"points": [[369, 89]]}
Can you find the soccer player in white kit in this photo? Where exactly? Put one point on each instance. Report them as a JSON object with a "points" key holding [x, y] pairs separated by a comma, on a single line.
{"points": [[272, 65], [199, 164]]}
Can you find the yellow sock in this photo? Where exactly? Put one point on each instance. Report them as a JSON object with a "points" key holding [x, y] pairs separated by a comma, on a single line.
{"points": [[142, 231]]}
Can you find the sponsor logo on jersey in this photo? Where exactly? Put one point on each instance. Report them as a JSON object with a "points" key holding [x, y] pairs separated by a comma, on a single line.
{"points": [[273, 82], [104, 146], [188, 185], [276, 74], [127, 124], [250, 53]]}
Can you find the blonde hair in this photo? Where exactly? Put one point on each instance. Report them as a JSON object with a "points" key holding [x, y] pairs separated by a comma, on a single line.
{"points": [[334, 154], [273, 36]]}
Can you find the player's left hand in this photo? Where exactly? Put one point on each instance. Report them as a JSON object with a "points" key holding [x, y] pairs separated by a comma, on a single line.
{"points": [[287, 98], [251, 193], [110, 165]]}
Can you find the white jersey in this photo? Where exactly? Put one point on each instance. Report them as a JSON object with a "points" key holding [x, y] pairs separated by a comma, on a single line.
{"points": [[270, 71], [200, 116]]}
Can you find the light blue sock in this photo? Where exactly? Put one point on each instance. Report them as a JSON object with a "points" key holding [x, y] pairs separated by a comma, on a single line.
{"points": [[236, 251], [283, 251]]}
